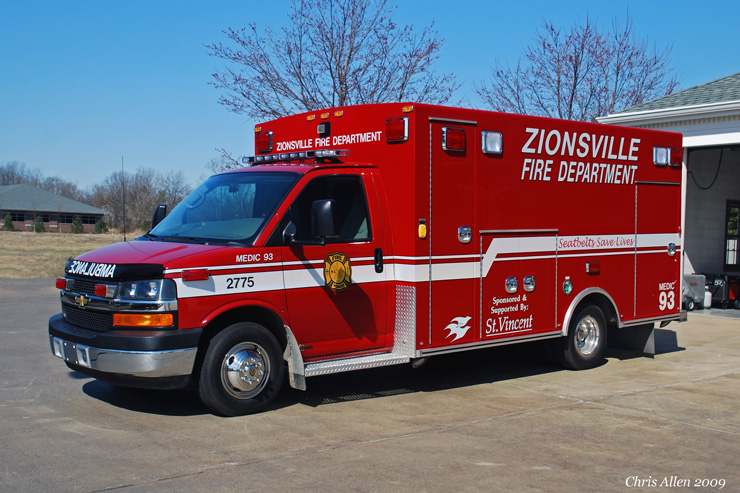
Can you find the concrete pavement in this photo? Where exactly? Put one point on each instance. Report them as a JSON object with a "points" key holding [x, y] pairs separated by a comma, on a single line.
{"points": [[491, 420]]}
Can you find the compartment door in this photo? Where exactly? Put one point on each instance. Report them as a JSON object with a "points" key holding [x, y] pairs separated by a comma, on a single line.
{"points": [[454, 241], [658, 251]]}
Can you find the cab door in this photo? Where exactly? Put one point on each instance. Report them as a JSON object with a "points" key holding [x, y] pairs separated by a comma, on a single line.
{"points": [[336, 289]]}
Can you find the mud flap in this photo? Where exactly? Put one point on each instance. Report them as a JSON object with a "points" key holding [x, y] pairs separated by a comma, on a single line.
{"points": [[640, 339], [292, 355]]}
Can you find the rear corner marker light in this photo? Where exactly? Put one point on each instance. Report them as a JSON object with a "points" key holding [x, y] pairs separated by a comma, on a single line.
{"points": [[397, 129], [263, 141], [61, 283], [453, 139], [141, 320], [660, 156], [408, 108], [195, 275], [492, 142], [675, 156]]}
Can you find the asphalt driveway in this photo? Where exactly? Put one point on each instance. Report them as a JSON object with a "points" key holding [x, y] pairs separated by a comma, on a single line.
{"points": [[491, 420]]}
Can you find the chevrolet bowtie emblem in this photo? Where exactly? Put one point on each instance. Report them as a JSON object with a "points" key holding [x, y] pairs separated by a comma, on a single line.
{"points": [[82, 300]]}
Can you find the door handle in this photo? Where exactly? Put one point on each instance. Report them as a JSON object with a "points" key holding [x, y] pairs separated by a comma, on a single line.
{"points": [[464, 234], [378, 260]]}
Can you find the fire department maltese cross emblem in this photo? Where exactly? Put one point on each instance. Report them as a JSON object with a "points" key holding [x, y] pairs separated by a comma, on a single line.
{"points": [[337, 271]]}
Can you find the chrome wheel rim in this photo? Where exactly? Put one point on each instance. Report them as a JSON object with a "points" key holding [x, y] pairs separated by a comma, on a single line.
{"points": [[245, 370], [587, 336]]}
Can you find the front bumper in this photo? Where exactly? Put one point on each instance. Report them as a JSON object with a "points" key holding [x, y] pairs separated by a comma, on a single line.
{"points": [[125, 353]]}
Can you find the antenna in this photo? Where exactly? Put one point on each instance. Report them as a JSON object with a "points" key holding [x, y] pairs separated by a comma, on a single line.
{"points": [[123, 180]]}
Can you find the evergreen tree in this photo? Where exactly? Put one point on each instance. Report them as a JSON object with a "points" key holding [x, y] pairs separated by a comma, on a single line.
{"points": [[77, 226], [8, 224], [38, 225], [101, 226]]}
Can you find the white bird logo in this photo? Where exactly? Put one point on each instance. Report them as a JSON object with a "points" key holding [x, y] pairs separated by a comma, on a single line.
{"points": [[457, 327]]}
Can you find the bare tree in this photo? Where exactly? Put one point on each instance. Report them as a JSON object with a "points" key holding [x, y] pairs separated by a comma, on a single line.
{"points": [[173, 188], [580, 74], [333, 53], [16, 173], [145, 189]]}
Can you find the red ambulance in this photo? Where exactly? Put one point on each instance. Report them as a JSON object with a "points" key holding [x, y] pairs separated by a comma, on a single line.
{"points": [[384, 234]]}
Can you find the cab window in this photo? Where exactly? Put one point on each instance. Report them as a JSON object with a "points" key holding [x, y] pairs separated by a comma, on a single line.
{"points": [[352, 221]]}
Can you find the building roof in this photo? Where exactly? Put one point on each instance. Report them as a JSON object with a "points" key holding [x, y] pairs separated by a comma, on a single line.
{"points": [[25, 197], [724, 90], [707, 115]]}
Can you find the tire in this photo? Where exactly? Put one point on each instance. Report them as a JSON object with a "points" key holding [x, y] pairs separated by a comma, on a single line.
{"points": [[690, 305], [242, 370], [585, 345]]}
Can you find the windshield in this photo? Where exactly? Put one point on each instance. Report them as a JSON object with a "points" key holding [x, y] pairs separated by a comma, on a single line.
{"points": [[232, 207]]}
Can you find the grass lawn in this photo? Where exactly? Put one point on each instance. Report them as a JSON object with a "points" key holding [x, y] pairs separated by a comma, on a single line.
{"points": [[25, 255]]}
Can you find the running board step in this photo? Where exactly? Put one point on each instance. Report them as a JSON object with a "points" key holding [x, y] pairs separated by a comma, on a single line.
{"points": [[355, 363]]}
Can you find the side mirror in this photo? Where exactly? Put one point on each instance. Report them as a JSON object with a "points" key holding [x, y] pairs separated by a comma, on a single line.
{"points": [[289, 234], [322, 219], [159, 213]]}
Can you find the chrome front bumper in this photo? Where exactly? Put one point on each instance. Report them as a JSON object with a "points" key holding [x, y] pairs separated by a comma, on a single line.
{"points": [[150, 364]]}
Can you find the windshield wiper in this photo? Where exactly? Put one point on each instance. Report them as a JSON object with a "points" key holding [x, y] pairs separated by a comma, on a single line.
{"points": [[182, 239]]}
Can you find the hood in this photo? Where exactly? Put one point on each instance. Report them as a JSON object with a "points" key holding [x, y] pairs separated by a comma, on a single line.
{"points": [[147, 259]]}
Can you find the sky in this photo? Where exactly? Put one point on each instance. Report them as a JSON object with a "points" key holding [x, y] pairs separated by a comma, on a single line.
{"points": [[86, 86]]}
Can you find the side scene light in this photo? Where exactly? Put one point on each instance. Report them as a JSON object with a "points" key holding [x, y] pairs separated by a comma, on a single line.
{"points": [[492, 142]]}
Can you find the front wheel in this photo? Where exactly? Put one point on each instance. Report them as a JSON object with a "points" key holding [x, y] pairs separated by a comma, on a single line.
{"points": [[242, 370], [585, 345]]}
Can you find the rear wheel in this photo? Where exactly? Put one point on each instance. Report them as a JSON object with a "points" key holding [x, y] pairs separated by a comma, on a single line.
{"points": [[585, 344], [242, 370]]}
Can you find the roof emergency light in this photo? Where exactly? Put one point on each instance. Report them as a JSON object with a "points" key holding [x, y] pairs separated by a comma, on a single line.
{"points": [[263, 141], [492, 142], [397, 129], [663, 156], [675, 156], [453, 139]]}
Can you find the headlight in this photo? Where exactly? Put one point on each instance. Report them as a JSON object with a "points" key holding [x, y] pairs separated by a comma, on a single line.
{"points": [[154, 290]]}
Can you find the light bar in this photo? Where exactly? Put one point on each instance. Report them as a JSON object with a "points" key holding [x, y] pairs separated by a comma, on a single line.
{"points": [[295, 156]]}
